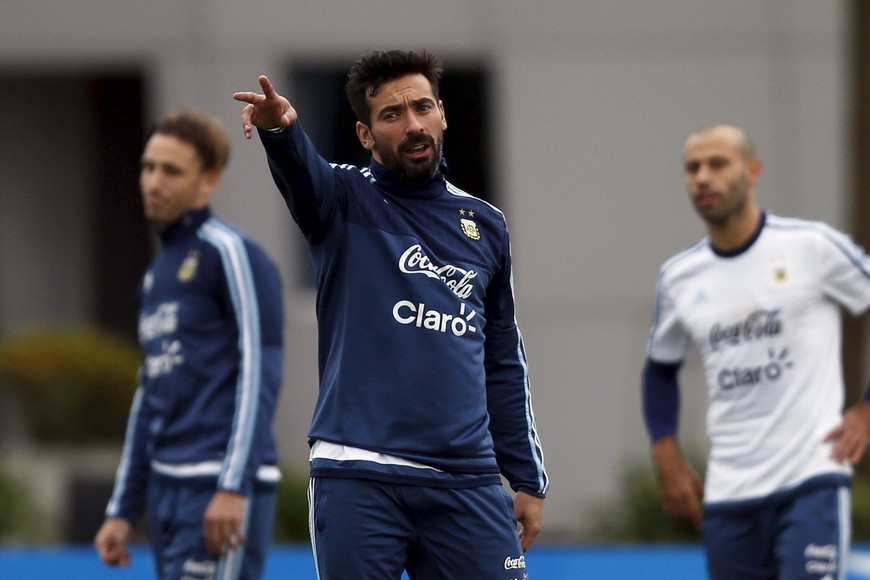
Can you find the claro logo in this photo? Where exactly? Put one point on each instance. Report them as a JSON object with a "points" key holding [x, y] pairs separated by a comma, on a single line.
{"points": [[406, 312]]}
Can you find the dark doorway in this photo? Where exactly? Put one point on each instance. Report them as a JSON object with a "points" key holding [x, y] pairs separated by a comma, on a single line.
{"points": [[122, 243]]}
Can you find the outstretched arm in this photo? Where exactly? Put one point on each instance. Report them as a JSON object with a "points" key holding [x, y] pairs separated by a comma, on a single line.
{"points": [[266, 110]]}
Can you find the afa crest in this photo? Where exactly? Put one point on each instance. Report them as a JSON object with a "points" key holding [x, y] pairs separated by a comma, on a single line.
{"points": [[780, 275], [469, 228], [188, 267]]}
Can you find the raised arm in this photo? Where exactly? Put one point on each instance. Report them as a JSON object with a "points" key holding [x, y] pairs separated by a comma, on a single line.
{"points": [[306, 181], [267, 110]]}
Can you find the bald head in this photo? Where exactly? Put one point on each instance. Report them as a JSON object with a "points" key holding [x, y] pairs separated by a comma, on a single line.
{"points": [[728, 134], [720, 170]]}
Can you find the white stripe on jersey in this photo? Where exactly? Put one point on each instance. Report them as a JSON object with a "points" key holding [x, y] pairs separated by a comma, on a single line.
{"points": [[452, 189], [265, 473], [244, 295], [113, 509]]}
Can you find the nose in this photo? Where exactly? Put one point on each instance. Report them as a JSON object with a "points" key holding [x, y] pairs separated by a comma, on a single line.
{"points": [[414, 125], [703, 174], [149, 181]]}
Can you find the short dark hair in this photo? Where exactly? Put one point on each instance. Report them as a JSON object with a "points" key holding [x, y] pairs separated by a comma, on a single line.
{"points": [[203, 131], [377, 67]]}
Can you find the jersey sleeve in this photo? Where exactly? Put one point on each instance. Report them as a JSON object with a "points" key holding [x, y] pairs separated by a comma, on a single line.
{"points": [[254, 293], [668, 340], [306, 181], [844, 270], [512, 421], [131, 478]]}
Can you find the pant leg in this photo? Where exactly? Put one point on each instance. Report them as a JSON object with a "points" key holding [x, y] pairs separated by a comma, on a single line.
{"points": [[258, 532], [359, 530], [159, 506], [175, 515], [465, 533], [175, 511], [813, 537], [246, 561], [739, 545]]}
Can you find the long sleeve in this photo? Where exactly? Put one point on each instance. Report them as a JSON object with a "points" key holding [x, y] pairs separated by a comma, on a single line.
{"points": [[512, 420], [304, 179], [131, 479], [661, 399]]}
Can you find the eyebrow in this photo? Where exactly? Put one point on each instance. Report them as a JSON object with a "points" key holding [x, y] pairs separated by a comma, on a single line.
{"points": [[400, 106]]}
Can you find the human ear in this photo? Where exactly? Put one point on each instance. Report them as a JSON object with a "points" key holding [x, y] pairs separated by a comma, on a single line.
{"points": [[364, 134]]}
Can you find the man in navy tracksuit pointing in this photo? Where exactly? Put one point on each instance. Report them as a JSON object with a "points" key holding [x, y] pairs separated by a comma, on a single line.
{"points": [[424, 395], [200, 453]]}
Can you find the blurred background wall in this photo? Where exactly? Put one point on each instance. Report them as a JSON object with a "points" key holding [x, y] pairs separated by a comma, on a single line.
{"points": [[587, 105]]}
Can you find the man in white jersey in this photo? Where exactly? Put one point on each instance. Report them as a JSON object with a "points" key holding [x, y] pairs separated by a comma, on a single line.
{"points": [[759, 298]]}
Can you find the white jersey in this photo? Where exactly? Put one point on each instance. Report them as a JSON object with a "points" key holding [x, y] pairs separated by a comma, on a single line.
{"points": [[766, 322]]}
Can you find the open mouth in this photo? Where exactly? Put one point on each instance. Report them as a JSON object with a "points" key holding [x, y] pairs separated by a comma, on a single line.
{"points": [[418, 150]]}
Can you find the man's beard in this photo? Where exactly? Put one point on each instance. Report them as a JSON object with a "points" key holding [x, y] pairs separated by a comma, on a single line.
{"points": [[735, 204], [423, 170]]}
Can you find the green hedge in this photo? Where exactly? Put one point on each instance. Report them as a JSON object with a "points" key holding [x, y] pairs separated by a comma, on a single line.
{"points": [[20, 520], [75, 385]]}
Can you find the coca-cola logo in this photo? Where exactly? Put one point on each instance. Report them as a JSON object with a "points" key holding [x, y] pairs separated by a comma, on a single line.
{"points": [[163, 321], [759, 324], [415, 261], [515, 563]]}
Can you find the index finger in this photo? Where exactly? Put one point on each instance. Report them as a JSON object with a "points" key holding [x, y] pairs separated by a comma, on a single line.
{"points": [[267, 87], [248, 97], [213, 539]]}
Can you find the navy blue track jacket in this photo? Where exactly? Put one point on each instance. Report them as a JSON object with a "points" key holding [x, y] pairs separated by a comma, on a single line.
{"points": [[210, 328], [420, 357]]}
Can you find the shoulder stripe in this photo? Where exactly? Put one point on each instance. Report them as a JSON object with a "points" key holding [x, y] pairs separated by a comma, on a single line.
{"points": [[668, 265], [680, 256], [365, 171], [840, 240], [240, 281], [453, 190]]}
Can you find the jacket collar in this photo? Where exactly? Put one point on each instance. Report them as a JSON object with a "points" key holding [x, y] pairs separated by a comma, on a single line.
{"points": [[416, 188], [187, 224]]}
